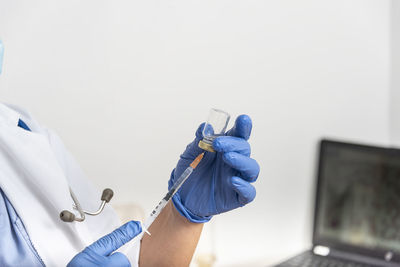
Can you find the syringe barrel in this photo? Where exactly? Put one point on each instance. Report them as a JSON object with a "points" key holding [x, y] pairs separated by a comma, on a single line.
{"points": [[159, 208], [177, 184], [182, 179]]}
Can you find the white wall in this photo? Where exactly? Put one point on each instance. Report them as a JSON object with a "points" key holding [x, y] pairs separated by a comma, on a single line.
{"points": [[126, 83], [395, 74]]}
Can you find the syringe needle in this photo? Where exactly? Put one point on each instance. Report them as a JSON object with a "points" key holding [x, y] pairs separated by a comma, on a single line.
{"points": [[178, 183]]}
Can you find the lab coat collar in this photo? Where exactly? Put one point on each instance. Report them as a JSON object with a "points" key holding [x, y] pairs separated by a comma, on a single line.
{"points": [[8, 116]]}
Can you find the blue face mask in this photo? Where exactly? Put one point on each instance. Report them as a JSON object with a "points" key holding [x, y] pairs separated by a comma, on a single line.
{"points": [[1, 55]]}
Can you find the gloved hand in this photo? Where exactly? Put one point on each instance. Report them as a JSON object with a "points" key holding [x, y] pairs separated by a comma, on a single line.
{"points": [[222, 180], [100, 253]]}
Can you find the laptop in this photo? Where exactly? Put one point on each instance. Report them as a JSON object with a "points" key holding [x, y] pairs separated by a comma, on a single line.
{"points": [[357, 209]]}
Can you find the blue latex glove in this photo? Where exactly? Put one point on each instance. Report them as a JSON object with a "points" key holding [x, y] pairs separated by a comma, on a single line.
{"points": [[222, 180], [1, 55], [100, 253]]}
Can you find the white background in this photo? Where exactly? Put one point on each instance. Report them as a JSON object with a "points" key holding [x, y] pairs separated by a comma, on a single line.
{"points": [[126, 83], [395, 73]]}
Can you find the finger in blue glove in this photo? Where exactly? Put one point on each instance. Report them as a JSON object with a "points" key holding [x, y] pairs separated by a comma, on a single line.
{"points": [[242, 127], [100, 253]]}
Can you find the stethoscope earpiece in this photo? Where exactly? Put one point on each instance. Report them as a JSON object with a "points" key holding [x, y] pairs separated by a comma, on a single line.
{"points": [[67, 216], [107, 195]]}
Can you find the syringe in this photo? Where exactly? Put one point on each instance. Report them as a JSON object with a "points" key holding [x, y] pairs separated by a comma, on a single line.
{"points": [[178, 183]]}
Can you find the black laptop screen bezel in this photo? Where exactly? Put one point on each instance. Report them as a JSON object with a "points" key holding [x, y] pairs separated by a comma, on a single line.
{"points": [[334, 244]]}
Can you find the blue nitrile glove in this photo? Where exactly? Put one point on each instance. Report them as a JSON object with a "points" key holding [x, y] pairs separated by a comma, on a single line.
{"points": [[100, 253], [222, 180]]}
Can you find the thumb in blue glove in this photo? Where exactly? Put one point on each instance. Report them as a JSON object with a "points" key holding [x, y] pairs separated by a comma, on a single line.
{"points": [[100, 253]]}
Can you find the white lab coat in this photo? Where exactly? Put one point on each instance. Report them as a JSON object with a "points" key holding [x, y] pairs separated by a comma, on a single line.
{"points": [[36, 172]]}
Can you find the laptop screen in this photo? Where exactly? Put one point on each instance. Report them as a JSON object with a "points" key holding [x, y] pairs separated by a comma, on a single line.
{"points": [[358, 197]]}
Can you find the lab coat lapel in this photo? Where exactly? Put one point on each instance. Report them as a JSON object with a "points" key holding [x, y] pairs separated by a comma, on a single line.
{"points": [[35, 184], [36, 172]]}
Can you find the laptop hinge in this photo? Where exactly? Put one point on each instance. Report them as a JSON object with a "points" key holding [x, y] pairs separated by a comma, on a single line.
{"points": [[326, 251], [321, 251]]}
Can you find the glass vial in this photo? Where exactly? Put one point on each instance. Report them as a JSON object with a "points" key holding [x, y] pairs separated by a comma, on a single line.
{"points": [[215, 126]]}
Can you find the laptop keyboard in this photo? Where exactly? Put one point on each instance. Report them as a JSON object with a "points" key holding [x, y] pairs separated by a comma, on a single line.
{"points": [[308, 259]]}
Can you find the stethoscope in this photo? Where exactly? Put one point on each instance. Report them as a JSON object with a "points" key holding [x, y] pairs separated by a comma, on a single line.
{"points": [[68, 216]]}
